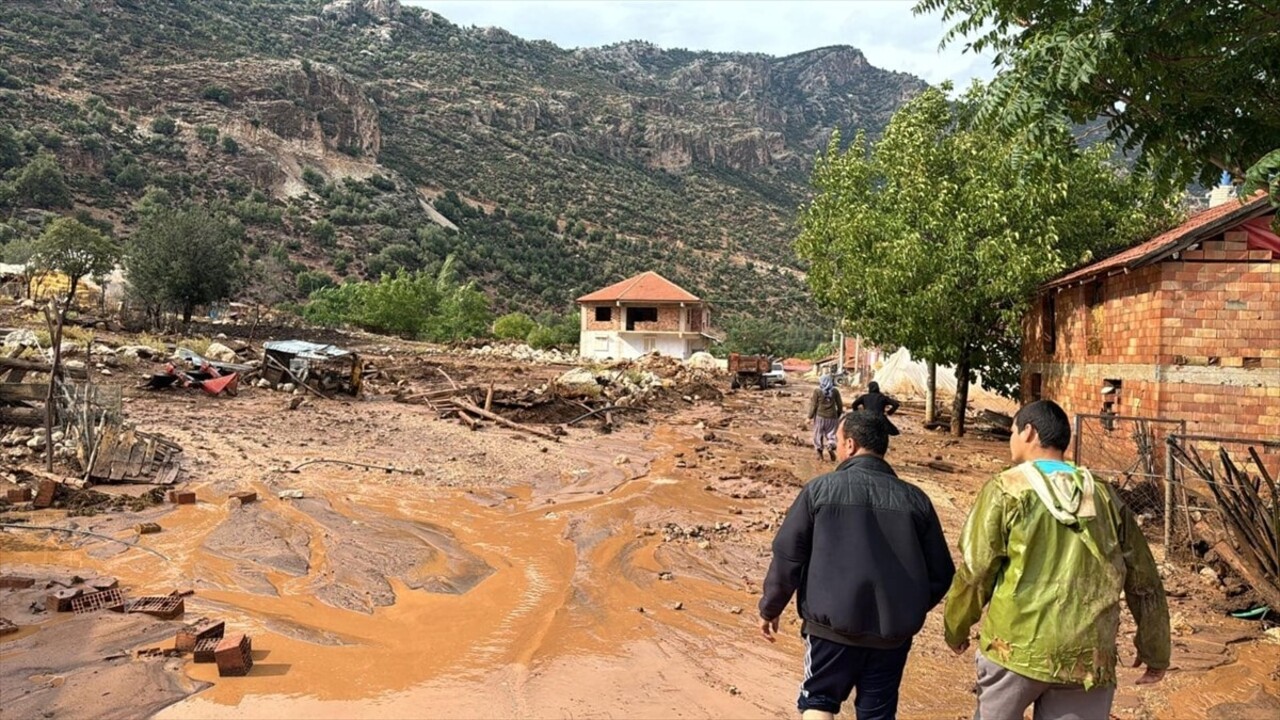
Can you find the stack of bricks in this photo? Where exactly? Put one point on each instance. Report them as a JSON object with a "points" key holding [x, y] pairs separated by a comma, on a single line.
{"points": [[234, 655]]}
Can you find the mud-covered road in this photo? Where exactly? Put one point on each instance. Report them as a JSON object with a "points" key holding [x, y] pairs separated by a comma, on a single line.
{"points": [[607, 575]]}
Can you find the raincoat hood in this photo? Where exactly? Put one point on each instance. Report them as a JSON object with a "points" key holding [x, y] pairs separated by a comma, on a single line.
{"points": [[1068, 496]]}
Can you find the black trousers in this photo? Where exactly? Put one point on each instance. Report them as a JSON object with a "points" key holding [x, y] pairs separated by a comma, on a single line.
{"points": [[832, 671]]}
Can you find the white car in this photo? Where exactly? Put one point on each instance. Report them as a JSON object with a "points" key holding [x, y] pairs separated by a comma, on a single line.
{"points": [[776, 375]]}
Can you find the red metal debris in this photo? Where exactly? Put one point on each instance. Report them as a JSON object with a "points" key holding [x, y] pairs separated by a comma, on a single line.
{"points": [[60, 600], [7, 627], [165, 607], [234, 655], [246, 497], [111, 599], [205, 648], [181, 497], [189, 636], [19, 495], [44, 497], [16, 582]]}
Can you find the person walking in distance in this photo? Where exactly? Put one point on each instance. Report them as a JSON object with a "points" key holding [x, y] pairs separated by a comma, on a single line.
{"points": [[1048, 550], [864, 554], [878, 403], [825, 409]]}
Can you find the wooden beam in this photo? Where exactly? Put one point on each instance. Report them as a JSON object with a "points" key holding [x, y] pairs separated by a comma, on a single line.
{"points": [[472, 409]]}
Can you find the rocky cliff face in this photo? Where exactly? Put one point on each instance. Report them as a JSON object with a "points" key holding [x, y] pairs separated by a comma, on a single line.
{"points": [[602, 161]]}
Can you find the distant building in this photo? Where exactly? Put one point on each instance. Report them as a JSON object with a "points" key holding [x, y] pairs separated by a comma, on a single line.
{"points": [[641, 315], [1184, 326]]}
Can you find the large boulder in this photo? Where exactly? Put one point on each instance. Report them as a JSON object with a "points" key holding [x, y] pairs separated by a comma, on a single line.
{"points": [[221, 353]]}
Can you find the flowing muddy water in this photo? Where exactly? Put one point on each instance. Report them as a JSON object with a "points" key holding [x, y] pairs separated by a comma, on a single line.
{"points": [[514, 580]]}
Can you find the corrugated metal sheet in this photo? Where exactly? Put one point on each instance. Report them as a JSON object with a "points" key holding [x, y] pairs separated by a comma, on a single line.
{"points": [[304, 349]]}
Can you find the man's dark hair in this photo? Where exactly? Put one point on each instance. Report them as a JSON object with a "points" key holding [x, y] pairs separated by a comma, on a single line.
{"points": [[873, 386], [868, 429], [1052, 425]]}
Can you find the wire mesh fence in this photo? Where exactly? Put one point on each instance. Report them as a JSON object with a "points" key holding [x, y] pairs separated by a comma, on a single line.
{"points": [[1129, 452]]}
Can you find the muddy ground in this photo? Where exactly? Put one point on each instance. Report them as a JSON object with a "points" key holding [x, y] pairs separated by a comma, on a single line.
{"points": [[504, 575]]}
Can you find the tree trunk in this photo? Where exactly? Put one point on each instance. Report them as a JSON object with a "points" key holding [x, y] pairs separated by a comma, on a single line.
{"points": [[186, 315], [71, 292], [931, 393], [962, 394]]}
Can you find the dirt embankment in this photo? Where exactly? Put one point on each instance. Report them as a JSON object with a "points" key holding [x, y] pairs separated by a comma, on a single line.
{"points": [[504, 574]]}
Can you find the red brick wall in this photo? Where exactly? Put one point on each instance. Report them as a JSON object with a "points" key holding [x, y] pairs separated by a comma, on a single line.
{"points": [[590, 323], [1191, 340]]}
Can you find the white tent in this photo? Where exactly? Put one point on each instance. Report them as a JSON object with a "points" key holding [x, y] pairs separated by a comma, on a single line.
{"points": [[905, 378]]}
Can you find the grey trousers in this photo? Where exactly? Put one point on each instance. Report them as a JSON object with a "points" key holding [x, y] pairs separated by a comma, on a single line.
{"points": [[824, 432], [1004, 695]]}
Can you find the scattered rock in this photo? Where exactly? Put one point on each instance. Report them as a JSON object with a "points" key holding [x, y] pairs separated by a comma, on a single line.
{"points": [[664, 575], [735, 610], [678, 606]]}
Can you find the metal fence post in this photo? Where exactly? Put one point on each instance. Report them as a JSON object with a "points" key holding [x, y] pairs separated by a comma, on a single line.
{"points": [[1168, 494], [1075, 459]]}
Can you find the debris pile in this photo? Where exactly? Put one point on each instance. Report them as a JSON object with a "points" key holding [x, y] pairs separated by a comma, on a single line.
{"points": [[524, 353]]}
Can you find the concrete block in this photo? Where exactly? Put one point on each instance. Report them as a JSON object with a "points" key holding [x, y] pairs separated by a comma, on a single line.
{"points": [[181, 497], [16, 582]]}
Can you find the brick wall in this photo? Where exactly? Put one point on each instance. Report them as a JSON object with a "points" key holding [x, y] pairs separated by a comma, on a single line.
{"points": [[668, 319], [1197, 340], [589, 318]]}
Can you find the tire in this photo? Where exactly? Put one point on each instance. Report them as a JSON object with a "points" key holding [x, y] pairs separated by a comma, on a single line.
{"points": [[735, 383]]}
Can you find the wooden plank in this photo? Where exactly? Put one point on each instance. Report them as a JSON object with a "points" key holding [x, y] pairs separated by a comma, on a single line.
{"points": [[38, 366], [26, 417], [23, 392]]}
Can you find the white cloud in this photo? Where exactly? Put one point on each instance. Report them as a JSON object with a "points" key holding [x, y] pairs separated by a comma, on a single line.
{"points": [[886, 30]]}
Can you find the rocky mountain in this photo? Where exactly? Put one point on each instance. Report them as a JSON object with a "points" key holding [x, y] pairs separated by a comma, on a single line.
{"points": [[357, 136]]}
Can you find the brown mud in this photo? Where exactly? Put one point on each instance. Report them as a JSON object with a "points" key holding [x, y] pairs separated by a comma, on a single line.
{"points": [[502, 576]]}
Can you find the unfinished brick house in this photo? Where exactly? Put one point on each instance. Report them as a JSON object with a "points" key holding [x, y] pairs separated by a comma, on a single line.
{"points": [[640, 315], [1185, 326]]}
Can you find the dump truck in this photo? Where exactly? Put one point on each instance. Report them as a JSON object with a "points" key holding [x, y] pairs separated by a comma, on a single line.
{"points": [[749, 370]]}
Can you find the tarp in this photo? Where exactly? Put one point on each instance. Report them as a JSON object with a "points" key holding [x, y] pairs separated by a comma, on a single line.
{"points": [[904, 378]]}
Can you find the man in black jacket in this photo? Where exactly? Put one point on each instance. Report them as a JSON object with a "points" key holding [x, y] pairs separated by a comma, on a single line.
{"points": [[864, 553]]}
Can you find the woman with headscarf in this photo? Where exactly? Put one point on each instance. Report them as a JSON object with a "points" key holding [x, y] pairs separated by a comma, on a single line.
{"points": [[825, 409], [879, 403]]}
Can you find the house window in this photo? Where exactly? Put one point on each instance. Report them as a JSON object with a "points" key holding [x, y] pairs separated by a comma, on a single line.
{"points": [[650, 345], [1049, 323], [1096, 294], [604, 314], [1037, 386], [641, 315], [1110, 401]]}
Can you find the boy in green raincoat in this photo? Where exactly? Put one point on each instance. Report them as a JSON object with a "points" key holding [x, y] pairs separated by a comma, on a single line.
{"points": [[1047, 551]]}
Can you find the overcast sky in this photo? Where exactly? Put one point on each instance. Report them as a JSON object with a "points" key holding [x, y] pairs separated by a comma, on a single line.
{"points": [[885, 30]]}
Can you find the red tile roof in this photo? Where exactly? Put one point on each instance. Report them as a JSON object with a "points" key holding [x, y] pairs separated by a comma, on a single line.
{"points": [[1198, 227], [645, 287]]}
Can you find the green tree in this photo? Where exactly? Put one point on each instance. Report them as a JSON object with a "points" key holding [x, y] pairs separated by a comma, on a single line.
{"points": [[513, 326], [10, 148], [935, 238], [164, 125], [309, 281], [229, 145], [1191, 87], [75, 250], [41, 184], [182, 258]]}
